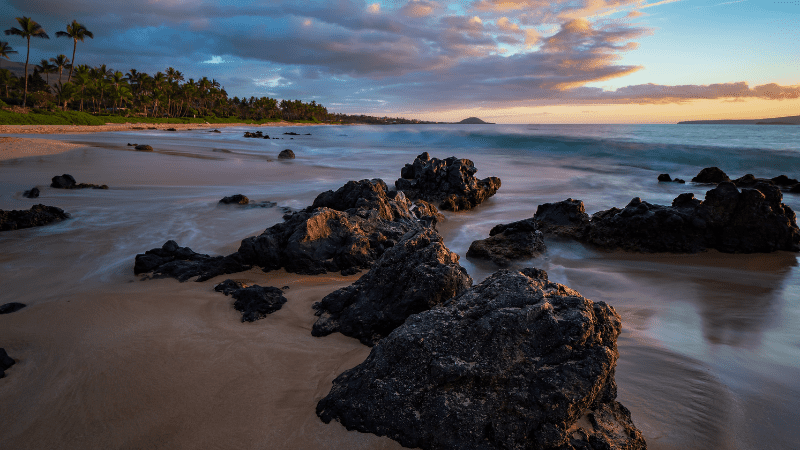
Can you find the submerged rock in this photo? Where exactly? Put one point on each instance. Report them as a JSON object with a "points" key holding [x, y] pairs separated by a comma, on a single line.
{"points": [[514, 362], [143, 148], [254, 302], [183, 264], [750, 221], [5, 362], [33, 193], [67, 181], [508, 242], [449, 182], [415, 275], [9, 308], [237, 199], [286, 154], [37, 216]]}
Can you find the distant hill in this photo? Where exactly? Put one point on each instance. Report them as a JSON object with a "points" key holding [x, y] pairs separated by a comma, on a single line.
{"points": [[17, 69], [474, 120], [788, 120]]}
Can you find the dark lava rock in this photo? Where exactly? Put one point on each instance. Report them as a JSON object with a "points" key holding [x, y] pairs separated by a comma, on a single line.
{"points": [[286, 154], [564, 218], [33, 193], [9, 308], [183, 264], [507, 242], [5, 362], [415, 275], [37, 216], [254, 302], [795, 189], [664, 177], [711, 175], [449, 182], [215, 131], [237, 199], [171, 129], [67, 181], [257, 134], [133, 145], [348, 228], [784, 181], [515, 362], [292, 133], [143, 148], [750, 221], [679, 180]]}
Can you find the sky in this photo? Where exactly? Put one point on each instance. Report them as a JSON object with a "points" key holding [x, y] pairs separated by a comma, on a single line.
{"points": [[505, 61]]}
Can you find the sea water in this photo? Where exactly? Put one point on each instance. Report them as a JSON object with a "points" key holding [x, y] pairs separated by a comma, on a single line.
{"points": [[710, 349]]}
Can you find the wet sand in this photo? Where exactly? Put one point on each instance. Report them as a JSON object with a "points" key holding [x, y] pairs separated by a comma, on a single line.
{"points": [[107, 359], [12, 148]]}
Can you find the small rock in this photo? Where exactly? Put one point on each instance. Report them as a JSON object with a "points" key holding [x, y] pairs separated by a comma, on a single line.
{"points": [[9, 308], [238, 199], [215, 131], [5, 362], [286, 154], [144, 148], [65, 181], [171, 129], [33, 193], [664, 177], [37, 216], [254, 302], [713, 175]]}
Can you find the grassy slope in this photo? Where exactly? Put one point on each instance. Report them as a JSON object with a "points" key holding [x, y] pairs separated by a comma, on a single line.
{"points": [[81, 118]]}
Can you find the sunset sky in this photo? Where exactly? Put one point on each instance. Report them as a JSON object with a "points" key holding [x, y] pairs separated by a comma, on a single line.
{"points": [[513, 61]]}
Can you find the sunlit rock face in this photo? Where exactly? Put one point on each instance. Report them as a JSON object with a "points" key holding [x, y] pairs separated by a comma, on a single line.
{"points": [[415, 275], [731, 221], [515, 362], [450, 182]]}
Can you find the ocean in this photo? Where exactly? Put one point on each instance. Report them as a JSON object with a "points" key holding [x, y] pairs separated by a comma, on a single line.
{"points": [[710, 348]]}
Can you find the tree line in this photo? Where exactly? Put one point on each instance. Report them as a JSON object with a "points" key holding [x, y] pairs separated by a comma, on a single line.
{"points": [[102, 90]]}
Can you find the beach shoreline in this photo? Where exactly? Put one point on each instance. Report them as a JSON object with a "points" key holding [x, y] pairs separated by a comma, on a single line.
{"points": [[81, 129]]}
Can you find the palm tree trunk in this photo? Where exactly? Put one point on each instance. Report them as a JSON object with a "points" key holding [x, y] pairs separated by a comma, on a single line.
{"points": [[69, 78], [27, 55]]}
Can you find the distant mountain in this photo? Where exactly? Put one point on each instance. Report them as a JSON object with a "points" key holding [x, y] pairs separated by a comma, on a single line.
{"points": [[788, 120], [474, 120]]}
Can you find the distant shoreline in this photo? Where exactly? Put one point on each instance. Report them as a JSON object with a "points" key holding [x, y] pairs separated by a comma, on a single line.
{"points": [[788, 120]]}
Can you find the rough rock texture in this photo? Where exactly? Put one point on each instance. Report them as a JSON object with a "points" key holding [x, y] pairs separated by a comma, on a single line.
{"points": [[750, 221], [67, 181], [342, 230], [507, 242], [665, 178], [37, 216], [9, 308], [254, 302], [516, 362], [286, 154], [183, 264], [415, 275], [450, 182], [33, 193], [564, 218], [346, 230], [237, 199], [143, 148], [711, 175], [5, 362]]}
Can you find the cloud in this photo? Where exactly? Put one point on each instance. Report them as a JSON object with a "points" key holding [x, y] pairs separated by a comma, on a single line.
{"points": [[374, 8], [418, 8]]}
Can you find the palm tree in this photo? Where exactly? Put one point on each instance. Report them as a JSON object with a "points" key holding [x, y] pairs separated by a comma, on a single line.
{"points": [[77, 32], [61, 62], [6, 50], [46, 68], [28, 28]]}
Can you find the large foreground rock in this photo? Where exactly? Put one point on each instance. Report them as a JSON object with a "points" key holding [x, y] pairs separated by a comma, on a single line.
{"points": [[415, 275], [516, 362], [729, 220], [450, 182], [344, 230], [5, 362], [37, 216], [254, 302], [508, 242]]}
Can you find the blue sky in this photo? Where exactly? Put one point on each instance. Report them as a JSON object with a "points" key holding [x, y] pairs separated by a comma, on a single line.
{"points": [[506, 60]]}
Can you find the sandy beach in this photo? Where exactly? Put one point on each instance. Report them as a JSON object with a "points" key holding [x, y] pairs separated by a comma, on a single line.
{"points": [[72, 129], [108, 359]]}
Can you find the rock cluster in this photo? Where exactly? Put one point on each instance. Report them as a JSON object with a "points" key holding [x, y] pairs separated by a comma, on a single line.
{"points": [[514, 362], [665, 178], [729, 220], [415, 275], [5, 362], [183, 264], [254, 302], [257, 135], [715, 175], [508, 242], [37, 216], [67, 181], [344, 230], [9, 308], [449, 182]]}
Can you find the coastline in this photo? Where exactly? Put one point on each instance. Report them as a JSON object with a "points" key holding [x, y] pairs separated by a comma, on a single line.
{"points": [[80, 129]]}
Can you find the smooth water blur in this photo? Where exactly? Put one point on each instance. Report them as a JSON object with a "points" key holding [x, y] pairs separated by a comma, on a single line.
{"points": [[710, 350]]}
